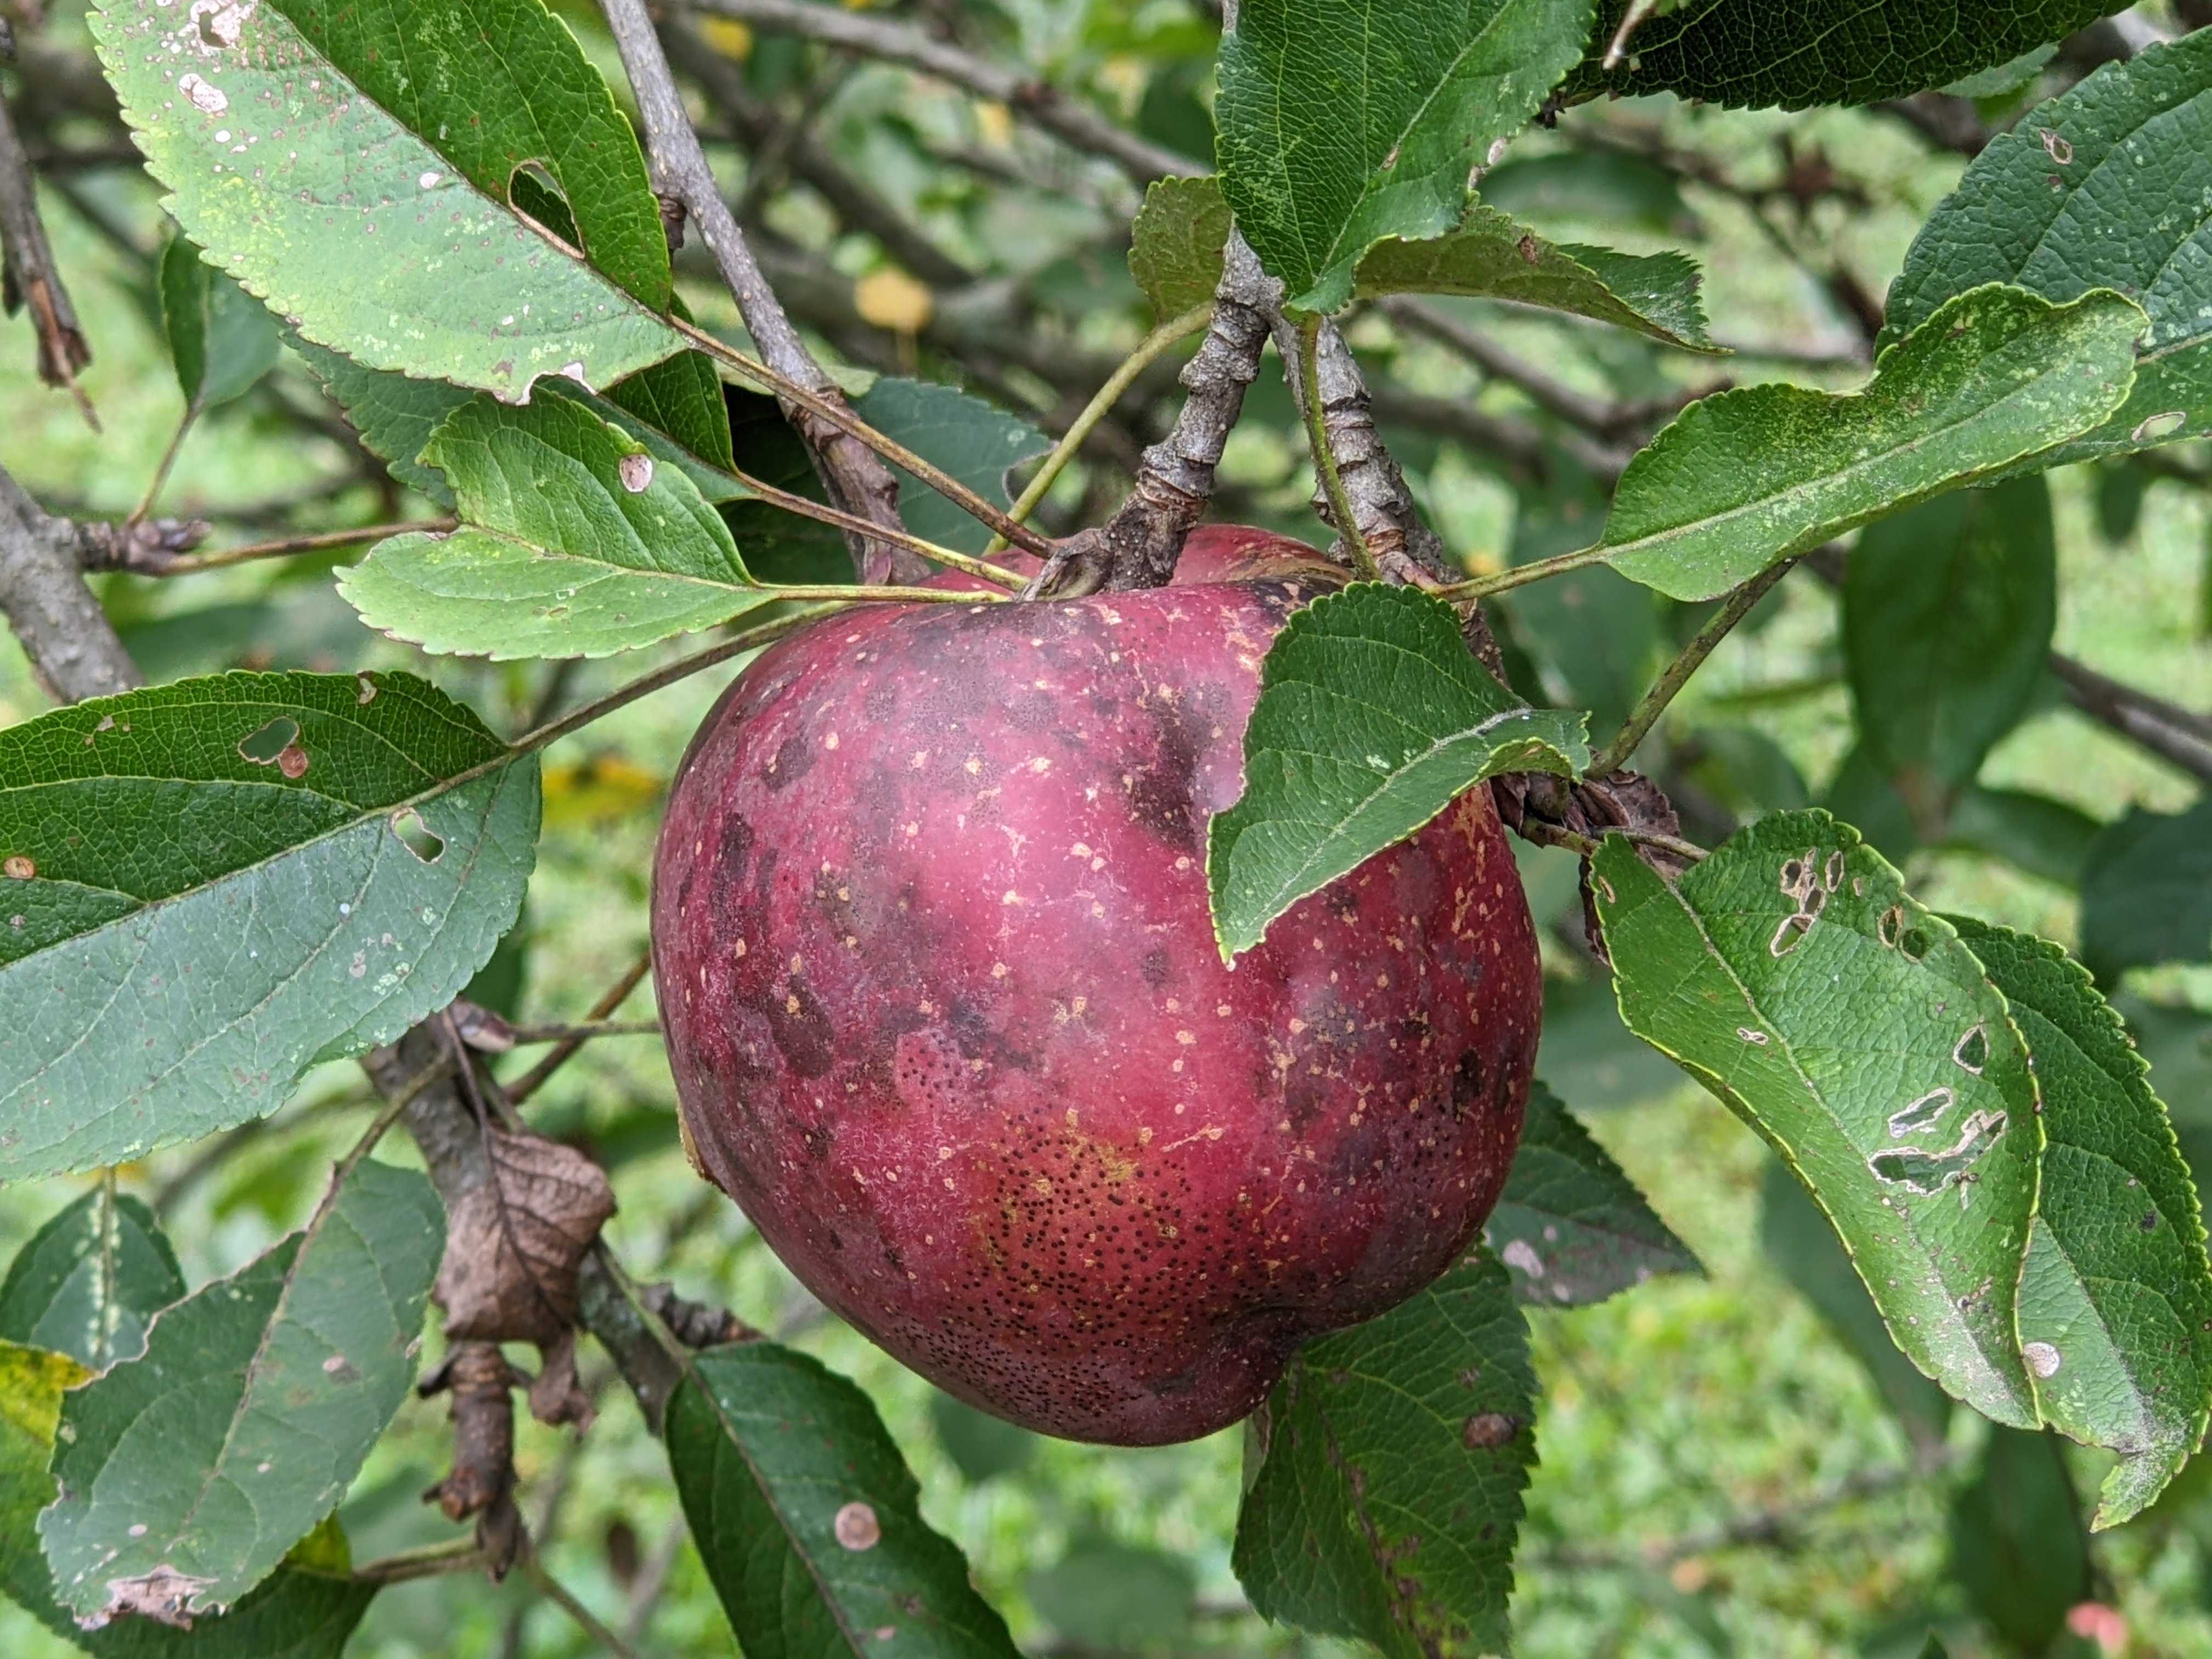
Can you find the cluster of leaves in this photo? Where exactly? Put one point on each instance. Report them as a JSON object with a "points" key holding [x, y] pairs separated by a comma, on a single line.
{"points": [[215, 884]]}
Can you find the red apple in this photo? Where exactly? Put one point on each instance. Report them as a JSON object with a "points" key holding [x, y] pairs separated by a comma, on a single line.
{"points": [[948, 1019]]}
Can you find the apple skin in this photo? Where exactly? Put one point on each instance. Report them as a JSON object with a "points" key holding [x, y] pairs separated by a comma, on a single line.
{"points": [[948, 1019]]}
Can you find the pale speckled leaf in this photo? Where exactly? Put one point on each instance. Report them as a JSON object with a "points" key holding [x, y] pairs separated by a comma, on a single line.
{"points": [[1392, 1459], [253, 1408], [2101, 188], [350, 165], [87, 1283], [1373, 716], [2117, 1301], [574, 542], [1342, 122], [209, 890], [1758, 54], [1490, 257], [1749, 476], [1571, 1226], [1176, 246], [1791, 974], [807, 1521]]}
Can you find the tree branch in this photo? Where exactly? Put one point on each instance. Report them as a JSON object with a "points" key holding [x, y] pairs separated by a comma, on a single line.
{"points": [[857, 479], [30, 277], [1040, 102], [72, 646]]}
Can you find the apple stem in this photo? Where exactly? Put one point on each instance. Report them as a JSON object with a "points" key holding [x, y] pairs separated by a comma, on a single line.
{"points": [[1332, 480], [1147, 352]]}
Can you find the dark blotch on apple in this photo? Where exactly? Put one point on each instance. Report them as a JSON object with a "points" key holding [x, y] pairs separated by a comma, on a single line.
{"points": [[948, 1018]]}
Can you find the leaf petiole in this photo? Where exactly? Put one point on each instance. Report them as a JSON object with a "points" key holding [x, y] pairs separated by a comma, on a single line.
{"points": [[1332, 480]]}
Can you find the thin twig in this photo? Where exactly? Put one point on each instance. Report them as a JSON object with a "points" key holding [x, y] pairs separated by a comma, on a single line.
{"points": [[1615, 754], [1324, 456], [1080, 428], [584, 1030], [168, 461], [804, 509], [855, 479], [31, 277], [532, 1080], [190, 564], [557, 1594], [1031, 97], [454, 1555]]}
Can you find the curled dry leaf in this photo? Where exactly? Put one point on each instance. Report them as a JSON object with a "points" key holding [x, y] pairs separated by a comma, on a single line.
{"points": [[482, 1480], [510, 1268]]}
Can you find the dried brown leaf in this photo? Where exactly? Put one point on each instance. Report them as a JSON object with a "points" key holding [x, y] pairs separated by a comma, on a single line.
{"points": [[514, 1241]]}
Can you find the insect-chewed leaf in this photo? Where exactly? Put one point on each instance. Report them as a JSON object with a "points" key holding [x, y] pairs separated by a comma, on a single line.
{"points": [[187, 1473], [1490, 256], [1175, 248], [1372, 717], [806, 1516], [1792, 974], [2146, 891], [89, 1280], [1571, 1227], [1749, 476], [2100, 188], [1756, 54], [211, 885], [1392, 1458], [1345, 121], [221, 337], [1949, 609], [575, 542], [306, 1609], [351, 165], [2117, 1294]]}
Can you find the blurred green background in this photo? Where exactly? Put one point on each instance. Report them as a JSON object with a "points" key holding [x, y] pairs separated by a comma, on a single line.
{"points": [[1729, 1465]]}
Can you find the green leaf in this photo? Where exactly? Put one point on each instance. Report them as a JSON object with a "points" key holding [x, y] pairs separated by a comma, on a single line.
{"points": [[1755, 54], [1791, 974], [1949, 609], [574, 543], [2044, 837], [975, 442], [1342, 122], [221, 339], [1796, 1239], [1490, 256], [1372, 717], [297, 136], [1571, 1227], [89, 1280], [2117, 1294], [806, 1516], [189, 1472], [1611, 186], [219, 894], [2146, 891], [1106, 1596], [2101, 188], [2017, 1546], [1749, 476], [982, 1447], [1391, 1460], [306, 1609], [1594, 633], [1175, 247]]}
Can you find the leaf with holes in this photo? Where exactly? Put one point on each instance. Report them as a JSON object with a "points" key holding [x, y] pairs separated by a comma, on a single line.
{"points": [[294, 134], [574, 543], [1373, 716], [1343, 121], [2101, 188], [807, 1518], [1791, 974], [1949, 609], [207, 889], [1755, 54], [2146, 891], [2118, 1293], [1175, 248], [89, 1280], [221, 339], [1749, 476], [1570, 1227], [1391, 1460], [189, 1472], [1490, 256]]}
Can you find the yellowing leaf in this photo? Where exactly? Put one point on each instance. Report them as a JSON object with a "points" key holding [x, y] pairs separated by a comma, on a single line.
{"points": [[596, 790], [891, 298], [728, 36], [996, 122]]}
